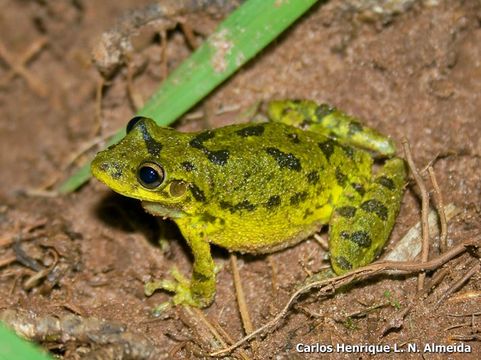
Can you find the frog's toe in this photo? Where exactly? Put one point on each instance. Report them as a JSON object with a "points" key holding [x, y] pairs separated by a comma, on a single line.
{"points": [[179, 285]]}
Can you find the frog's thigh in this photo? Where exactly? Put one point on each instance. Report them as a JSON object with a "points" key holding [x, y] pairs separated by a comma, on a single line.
{"points": [[359, 229], [331, 122], [202, 285]]}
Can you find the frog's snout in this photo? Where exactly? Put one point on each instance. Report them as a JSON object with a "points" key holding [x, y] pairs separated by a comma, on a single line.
{"points": [[105, 169]]}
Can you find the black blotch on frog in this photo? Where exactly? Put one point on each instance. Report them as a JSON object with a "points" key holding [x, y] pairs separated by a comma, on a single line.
{"points": [[377, 207], [198, 276], [243, 205], [273, 202], [299, 197], [349, 151], [207, 217], [117, 171], [346, 211], [254, 130], [360, 237], [313, 177], [188, 166], [341, 178], [307, 213], [386, 182], [218, 157], [327, 147], [323, 110], [197, 193], [294, 138], [359, 188], [354, 128], [198, 141], [113, 169], [152, 145], [284, 160], [343, 263]]}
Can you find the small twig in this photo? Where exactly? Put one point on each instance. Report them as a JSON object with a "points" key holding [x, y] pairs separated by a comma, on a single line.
{"points": [[98, 106], [457, 326], [33, 50], [32, 281], [164, 71], [200, 315], [134, 95], [274, 281], [228, 339], [436, 279], [321, 241], [438, 197], [424, 209], [459, 283], [468, 295], [466, 315], [189, 34], [360, 273], [241, 301], [18, 67], [7, 260]]}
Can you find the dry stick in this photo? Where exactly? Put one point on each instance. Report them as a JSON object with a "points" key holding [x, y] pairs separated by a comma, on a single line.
{"points": [[33, 82], [98, 106], [189, 34], [134, 95], [164, 70], [241, 300], [216, 330], [196, 313], [443, 238], [457, 284], [424, 209], [464, 315], [468, 295], [26, 57], [8, 260], [228, 339], [360, 273]]}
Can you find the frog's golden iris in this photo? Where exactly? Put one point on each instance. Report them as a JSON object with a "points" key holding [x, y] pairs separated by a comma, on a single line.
{"points": [[261, 187]]}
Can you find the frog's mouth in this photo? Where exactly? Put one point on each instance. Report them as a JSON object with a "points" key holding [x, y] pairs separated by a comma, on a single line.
{"points": [[163, 210]]}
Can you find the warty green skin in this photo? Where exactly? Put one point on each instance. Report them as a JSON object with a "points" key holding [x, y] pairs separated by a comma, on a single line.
{"points": [[261, 187]]}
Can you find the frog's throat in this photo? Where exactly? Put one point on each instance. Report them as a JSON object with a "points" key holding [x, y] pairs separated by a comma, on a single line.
{"points": [[165, 211]]}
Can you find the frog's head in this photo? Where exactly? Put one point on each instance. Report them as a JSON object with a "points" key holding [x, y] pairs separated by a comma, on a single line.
{"points": [[146, 165]]}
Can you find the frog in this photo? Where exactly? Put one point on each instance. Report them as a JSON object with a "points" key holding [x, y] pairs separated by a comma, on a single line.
{"points": [[260, 187]]}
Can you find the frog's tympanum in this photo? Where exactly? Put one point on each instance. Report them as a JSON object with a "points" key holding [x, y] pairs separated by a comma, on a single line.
{"points": [[261, 187]]}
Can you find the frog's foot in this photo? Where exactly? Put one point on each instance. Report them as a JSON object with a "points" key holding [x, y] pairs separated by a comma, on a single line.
{"points": [[359, 228], [179, 285]]}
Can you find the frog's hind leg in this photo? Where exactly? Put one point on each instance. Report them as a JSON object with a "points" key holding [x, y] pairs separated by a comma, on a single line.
{"points": [[331, 122], [360, 225]]}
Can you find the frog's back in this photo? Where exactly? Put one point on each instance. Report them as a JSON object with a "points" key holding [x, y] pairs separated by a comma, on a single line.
{"points": [[273, 176]]}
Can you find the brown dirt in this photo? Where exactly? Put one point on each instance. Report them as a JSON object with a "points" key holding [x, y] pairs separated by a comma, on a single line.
{"points": [[416, 74]]}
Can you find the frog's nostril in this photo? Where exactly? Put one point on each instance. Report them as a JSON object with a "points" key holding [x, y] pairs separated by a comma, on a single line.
{"points": [[104, 166]]}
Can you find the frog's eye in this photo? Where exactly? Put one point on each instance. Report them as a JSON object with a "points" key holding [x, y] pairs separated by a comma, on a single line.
{"points": [[150, 175], [131, 124]]}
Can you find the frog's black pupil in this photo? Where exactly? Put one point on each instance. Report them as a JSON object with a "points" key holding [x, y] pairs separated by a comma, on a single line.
{"points": [[132, 123], [149, 175]]}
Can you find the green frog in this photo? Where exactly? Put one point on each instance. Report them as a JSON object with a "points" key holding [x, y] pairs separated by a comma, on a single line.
{"points": [[261, 187]]}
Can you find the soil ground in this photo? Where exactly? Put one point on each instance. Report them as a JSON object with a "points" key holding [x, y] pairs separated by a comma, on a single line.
{"points": [[415, 74]]}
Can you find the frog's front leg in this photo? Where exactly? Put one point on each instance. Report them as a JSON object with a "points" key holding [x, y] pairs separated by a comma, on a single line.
{"points": [[331, 122], [200, 290], [364, 217]]}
